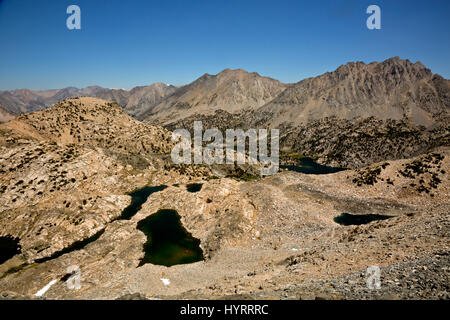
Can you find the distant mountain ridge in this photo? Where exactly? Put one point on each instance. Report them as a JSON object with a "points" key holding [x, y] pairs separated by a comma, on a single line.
{"points": [[5, 114], [135, 101]]}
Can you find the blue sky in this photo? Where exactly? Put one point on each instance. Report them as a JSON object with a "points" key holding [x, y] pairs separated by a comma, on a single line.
{"points": [[123, 44]]}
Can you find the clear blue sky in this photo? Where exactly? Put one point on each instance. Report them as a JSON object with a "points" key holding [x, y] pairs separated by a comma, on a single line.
{"points": [[123, 44]]}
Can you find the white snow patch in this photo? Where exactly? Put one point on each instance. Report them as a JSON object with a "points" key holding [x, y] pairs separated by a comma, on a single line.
{"points": [[41, 292]]}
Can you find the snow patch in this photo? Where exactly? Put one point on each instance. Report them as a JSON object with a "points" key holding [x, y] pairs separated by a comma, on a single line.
{"points": [[41, 292]]}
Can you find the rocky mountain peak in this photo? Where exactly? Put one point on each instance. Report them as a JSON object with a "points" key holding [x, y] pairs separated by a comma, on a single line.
{"points": [[231, 90], [392, 89]]}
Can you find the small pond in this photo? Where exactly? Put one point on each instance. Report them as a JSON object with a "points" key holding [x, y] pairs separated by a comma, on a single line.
{"points": [[168, 242], [348, 219], [309, 166], [9, 247], [194, 187], [138, 198]]}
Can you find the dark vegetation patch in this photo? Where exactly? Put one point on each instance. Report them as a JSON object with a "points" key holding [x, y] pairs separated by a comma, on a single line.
{"points": [[370, 176], [240, 172], [427, 170]]}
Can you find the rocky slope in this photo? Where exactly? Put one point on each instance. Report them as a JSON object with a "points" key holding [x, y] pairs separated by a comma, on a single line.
{"points": [[361, 142], [230, 90], [338, 142], [275, 238], [95, 123], [53, 196]]}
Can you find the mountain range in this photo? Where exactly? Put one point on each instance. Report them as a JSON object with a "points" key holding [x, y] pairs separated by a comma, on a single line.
{"points": [[392, 89]]}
